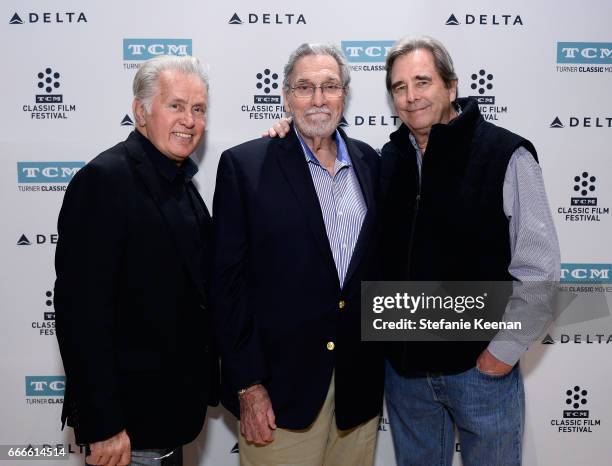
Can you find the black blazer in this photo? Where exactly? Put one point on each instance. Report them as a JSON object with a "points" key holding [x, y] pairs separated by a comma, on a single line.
{"points": [[276, 294], [132, 321]]}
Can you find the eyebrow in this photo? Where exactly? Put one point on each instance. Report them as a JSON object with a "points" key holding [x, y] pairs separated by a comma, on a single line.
{"points": [[174, 98], [328, 79], [180, 100], [422, 77]]}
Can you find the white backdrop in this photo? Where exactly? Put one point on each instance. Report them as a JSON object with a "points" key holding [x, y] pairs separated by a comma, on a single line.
{"points": [[546, 71]]}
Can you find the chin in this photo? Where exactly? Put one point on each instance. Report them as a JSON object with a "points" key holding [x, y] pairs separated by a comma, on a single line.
{"points": [[318, 132], [320, 129]]}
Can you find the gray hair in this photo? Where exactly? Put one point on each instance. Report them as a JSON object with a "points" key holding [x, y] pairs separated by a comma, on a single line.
{"points": [[306, 50], [442, 59], [146, 81]]}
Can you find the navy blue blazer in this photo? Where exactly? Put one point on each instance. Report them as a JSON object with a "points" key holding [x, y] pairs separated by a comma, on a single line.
{"points": [[277, 302]]}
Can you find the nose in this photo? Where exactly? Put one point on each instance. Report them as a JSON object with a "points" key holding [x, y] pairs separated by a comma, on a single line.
{"points": [[188, 119], [411, 94], [318, 98]]}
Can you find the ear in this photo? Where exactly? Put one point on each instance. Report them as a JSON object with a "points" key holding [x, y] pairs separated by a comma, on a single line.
{"points": [[286, 104], [139, 112], [452, 90]]}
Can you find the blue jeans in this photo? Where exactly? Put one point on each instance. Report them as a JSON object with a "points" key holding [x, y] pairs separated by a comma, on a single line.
{"points": [[489, 413], [154, 457]]}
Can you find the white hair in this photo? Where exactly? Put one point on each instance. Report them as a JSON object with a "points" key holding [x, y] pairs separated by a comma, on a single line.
{"points": [[146, 81]]}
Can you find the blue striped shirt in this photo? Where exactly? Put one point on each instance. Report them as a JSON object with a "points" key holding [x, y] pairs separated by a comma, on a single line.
{"points": [[341, 200]]}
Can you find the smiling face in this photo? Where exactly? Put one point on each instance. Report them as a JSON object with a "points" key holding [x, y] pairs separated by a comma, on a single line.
{"points": [[177, 118], [319, 115], [420, 96]]}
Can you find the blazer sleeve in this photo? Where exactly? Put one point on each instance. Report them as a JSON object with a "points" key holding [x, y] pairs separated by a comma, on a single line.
{"points": [[91, 230], [242, 358]]}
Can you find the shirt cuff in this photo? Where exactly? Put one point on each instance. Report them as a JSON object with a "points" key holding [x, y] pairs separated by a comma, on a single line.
{"points": [[506, 350]]}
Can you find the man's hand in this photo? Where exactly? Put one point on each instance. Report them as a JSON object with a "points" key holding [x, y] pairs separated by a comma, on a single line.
{"points": [[115, 451], [257, 420], [490, 365], [278, 129]]}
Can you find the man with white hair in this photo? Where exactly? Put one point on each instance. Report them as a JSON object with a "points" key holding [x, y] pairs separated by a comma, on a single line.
{"points": [[294, 237], [133, 324]]}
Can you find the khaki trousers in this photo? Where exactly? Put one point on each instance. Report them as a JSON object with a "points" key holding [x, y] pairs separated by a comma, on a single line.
{"points": [[321, 444]]}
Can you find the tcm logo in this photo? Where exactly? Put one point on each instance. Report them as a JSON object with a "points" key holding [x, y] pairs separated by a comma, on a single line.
{"points": [[144, 49], [65, 17], [267, 81], [482, 81], [49, 315], [576, 398], [584, 52], [47, 172], [366, 50], [48, 81], [586, 273], [45, 385], [584, 185]]}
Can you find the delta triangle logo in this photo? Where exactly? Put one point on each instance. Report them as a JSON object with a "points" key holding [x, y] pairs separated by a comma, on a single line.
{"points": [[235, 448], [452, 21], [343, 123], [23, 241], [548, 340], [556, 123], [235, 19], [127, 121], [15, 19]]}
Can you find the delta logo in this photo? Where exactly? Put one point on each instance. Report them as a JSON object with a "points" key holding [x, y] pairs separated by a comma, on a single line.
{"points": [[485, 20], [126, 121], [268, 19], [37, 239], [582, 122], [68, 17]]}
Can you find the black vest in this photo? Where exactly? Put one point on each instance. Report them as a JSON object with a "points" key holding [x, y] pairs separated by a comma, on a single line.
{"points": [[449, 226]]}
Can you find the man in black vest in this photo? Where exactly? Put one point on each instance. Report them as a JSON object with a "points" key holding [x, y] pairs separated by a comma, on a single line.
{"points": [[133, 324], [463, 200]]}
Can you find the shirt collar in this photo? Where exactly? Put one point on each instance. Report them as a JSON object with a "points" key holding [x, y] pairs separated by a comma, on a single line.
{"points": [[342, 155], [166, 167]]}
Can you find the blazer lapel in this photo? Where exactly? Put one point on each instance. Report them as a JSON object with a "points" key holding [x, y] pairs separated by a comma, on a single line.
{"points": [[169, 209], [365, 177], [293, 164]]}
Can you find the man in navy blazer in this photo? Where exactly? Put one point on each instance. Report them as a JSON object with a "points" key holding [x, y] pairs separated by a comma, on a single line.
{"points": [[133, 325], [294, 237]]}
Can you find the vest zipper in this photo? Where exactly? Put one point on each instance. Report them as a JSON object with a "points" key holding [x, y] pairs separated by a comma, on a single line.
{"points": [[413, 226]]}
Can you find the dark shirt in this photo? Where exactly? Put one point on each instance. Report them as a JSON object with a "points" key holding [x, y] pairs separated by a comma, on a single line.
{"points": [[176, 180]]}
